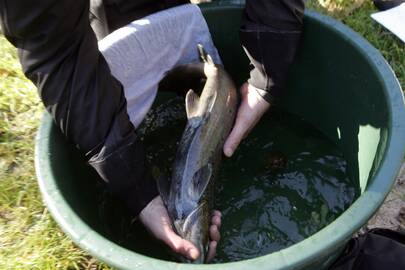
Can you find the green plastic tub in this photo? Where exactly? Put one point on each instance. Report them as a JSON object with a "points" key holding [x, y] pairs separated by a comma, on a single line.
{"points": [[339, 83]]}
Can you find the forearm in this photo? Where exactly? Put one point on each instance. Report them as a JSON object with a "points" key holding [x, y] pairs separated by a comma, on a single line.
{"points": [[58, 52], [270, 35]]}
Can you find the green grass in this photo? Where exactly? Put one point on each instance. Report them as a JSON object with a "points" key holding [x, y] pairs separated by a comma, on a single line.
{"points": [[29, 238], [359, 20]]}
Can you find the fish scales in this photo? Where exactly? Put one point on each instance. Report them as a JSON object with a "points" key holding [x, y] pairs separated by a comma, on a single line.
{"points": [[189, 198]]}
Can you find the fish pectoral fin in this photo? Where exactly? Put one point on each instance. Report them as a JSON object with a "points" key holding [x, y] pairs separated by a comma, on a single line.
{"points": [[201, 178], [192, 104], [190, 220]]}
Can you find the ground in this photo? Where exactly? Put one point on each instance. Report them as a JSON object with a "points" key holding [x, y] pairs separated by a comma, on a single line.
{"points": [[391, 214], [30, 239]]}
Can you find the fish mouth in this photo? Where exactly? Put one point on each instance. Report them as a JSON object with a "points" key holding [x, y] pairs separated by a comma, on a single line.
{"points": [[200, 260]]}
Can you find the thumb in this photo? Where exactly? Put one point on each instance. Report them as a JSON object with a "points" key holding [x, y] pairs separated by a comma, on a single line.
{"points": [[181, 246], [240, 127], [235, 137]]}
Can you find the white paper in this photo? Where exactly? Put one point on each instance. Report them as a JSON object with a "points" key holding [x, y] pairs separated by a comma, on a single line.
{"points": [[393, 19]]}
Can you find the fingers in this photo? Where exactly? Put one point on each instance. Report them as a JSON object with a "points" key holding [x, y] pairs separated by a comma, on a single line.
{"points": [[216, 218], [212, 250], [155, 218], [217, 213], [215, 236], [187, 249], [235, 137], [250, 111], [237, 134], [214, 233], [181, 246]]}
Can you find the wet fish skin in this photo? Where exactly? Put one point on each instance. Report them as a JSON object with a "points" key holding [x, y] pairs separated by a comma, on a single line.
{"points": [[189, 199]]}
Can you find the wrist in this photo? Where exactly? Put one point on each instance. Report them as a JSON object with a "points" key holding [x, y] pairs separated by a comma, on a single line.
{"points": [[261, 94], [256, 99]]}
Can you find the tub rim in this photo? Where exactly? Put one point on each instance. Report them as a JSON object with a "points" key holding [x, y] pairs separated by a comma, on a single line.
{"points": [[300, 254]]}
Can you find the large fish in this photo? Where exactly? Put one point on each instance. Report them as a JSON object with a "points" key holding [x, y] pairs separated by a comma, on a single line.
{"points": [[189, 195]]}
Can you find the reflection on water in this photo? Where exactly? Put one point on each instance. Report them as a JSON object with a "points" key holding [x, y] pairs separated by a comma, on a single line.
{"points": [[285, 182]]}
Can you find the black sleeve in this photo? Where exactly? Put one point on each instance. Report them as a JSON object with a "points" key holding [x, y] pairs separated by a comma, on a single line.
{"points": [[270, 35], [59, 54]]}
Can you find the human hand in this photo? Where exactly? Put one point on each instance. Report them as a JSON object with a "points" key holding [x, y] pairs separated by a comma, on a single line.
{"points": [[156, 219], [250, 111]]}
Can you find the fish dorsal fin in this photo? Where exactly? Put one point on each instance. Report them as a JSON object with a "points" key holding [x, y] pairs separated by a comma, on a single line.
{"points": [[200, 181], [192, 104]]}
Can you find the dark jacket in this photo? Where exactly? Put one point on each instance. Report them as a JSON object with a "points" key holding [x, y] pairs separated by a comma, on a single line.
{"points": [[59, 54]]}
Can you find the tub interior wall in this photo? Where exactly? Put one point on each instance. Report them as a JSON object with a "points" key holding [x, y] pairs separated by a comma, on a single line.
{"points": [[331, 85], [334, 87]]}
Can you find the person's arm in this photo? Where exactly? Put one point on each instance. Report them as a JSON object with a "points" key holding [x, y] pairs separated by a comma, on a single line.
{"points": [[270, 34], [59, 54]]}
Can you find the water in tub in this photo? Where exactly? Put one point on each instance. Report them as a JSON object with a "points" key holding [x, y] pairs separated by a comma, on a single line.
{"points": [[285, 182]]}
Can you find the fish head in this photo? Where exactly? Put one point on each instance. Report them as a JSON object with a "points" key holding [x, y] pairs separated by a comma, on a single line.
{"points": [[194, 228], [192, 211]]}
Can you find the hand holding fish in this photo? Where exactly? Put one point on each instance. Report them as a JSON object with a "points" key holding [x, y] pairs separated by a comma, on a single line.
{"points": [[156, 219], [250, 111]]}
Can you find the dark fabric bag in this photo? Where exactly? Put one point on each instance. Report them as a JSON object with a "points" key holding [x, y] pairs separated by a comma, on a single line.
{"points": [[387, 4], [377, 249]]}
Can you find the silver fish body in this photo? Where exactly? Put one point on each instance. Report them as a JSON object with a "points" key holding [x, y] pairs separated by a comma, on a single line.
{"points": [[189, 199]]}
